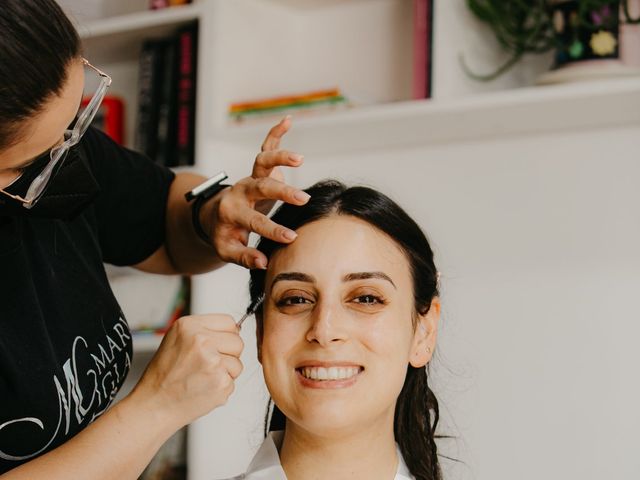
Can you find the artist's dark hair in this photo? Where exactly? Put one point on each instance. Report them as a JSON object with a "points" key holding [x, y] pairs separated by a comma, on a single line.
{"points": [[417, 412], [37, 42]]}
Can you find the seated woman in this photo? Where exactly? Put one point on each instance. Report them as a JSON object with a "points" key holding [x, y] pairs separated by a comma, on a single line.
{"points": [[347, 325]]}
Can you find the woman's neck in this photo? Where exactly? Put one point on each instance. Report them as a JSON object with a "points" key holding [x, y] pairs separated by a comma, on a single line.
{"points": [[365, 453]]}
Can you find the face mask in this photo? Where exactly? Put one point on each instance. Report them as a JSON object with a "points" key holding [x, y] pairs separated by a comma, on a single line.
{"points": [[70, 190]]}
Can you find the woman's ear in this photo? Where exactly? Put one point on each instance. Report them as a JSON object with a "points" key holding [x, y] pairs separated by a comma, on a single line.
{"points": [[424, 337]]}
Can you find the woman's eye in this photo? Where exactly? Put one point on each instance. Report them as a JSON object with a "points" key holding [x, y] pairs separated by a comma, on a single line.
{"points": [[292, 300], [368, 300]]}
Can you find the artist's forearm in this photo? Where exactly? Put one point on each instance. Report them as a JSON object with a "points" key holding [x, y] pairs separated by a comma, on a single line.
{"points": [[120, 444], [186, 251]]}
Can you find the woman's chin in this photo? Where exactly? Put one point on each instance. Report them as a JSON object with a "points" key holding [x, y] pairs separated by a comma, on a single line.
{"points": [[335, 427], [329, 418]]}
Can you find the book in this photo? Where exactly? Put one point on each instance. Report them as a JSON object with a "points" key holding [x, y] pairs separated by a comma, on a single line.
{"points": [[186, 55], [149, 96], [167, 107], [283, 100], [306, 103], [428, 64], [165, 125], [109, 117], [422, 48]]}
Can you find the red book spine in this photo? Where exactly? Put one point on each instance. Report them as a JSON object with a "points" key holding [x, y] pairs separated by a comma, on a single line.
{"points": [[419, 48], [187, 53], [422, 47], [113, 119], [109, 117]]}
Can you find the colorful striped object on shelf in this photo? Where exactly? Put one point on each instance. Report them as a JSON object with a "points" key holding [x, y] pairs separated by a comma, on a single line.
{"points": [[304, 101]]}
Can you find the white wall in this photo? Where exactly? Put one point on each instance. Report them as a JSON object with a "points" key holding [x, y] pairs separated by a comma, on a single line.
{"points": [[537, 238]]}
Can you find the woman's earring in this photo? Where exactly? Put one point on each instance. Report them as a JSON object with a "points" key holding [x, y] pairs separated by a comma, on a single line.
{"points": [[428, 349]]}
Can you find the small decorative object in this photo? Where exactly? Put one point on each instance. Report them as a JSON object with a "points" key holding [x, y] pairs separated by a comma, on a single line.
{"points": [[160, 4], [585, 34]]}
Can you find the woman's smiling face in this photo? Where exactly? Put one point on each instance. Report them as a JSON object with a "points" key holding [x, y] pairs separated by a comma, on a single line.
{"points": [[337, 330]]}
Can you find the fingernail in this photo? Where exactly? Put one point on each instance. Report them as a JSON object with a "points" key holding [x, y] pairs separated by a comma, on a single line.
{"points": [[261, 263], [295, 157], [287, 117], [290, 234], [301, 196]]}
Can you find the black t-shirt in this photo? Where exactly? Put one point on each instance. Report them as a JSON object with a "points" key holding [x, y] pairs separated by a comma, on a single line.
{"points": [[65, 346]]}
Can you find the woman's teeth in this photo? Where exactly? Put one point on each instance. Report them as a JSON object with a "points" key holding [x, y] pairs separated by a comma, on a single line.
{"points": [[331, 373]]}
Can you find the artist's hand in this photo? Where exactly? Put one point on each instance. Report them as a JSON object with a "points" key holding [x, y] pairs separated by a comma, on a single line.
{"points": [[241, 209], [194, 369]]}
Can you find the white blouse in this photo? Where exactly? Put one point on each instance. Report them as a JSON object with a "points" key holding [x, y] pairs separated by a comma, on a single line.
{"points": [[266, 463]]}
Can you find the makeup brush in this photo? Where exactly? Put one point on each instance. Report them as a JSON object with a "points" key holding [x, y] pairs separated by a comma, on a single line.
{"points": [[250, 311]]}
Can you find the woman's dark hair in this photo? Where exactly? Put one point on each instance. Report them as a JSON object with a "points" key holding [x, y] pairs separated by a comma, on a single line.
{"points": [[37, 42], [417, 412]]}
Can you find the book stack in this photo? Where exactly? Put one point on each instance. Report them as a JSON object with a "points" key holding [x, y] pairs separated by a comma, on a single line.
{"points": [[275, 107], [165, 126]]}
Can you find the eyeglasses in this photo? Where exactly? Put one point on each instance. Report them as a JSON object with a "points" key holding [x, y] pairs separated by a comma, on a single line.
{"points": [[58, 153]]}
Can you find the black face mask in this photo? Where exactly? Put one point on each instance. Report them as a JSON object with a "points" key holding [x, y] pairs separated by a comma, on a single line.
{"points": [[70, 190]]}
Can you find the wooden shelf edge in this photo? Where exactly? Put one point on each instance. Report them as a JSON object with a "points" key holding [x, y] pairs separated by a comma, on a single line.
{"points": [[531, 110]]}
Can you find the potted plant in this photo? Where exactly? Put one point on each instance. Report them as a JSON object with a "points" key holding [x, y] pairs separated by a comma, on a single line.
{"points": [[585, 34]]}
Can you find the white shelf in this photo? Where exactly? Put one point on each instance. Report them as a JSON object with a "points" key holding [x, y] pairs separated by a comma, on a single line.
{"points": [[140, 22], [524, 111], [119, 38], [146, 342]]}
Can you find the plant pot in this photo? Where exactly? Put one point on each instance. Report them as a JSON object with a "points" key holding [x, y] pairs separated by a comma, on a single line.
{"points": [[588, 42]]}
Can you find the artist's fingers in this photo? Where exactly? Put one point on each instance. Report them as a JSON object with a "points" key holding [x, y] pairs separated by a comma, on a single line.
{"points": [[258, 223], [266, 161], [272, 141], [210, 322], [240, 254], [264, 206], [233, 365], [260, 193], [270, 189]]}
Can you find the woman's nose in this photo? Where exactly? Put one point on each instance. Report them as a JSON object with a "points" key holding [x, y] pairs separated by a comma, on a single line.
{"points": [[326, 325]]}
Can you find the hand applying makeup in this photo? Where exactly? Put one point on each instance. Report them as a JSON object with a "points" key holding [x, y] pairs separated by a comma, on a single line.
{"points": [[241, 209]]}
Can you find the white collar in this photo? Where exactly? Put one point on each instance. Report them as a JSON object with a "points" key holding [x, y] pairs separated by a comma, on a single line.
{"points": [[266, 462]]}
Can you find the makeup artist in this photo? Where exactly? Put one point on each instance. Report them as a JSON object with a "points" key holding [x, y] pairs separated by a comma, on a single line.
{"points": [[71, 199]]}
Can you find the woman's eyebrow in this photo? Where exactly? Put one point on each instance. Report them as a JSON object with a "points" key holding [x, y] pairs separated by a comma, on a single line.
{"points": [[367, 275], [350, 277], [293, 276]]}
